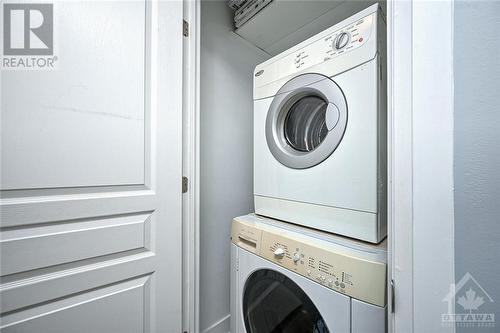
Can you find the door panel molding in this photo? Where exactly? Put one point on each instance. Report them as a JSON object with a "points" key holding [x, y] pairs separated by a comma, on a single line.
{"points": [[88, 125], [41, 316], [26, 211], [36, 246]]}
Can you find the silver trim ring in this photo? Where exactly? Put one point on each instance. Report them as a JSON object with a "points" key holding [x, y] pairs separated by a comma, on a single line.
{"points": [[336, 119]]}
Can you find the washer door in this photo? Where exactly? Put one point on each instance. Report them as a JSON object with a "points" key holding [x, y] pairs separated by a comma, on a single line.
{"points": [[306, 121], [274, 303]]}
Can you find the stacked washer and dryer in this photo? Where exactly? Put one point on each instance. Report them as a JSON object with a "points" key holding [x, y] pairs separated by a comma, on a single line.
{"points": [[313, 257]]}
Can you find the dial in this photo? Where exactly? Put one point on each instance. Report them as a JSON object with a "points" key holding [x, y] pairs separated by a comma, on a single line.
{"points": [[296, 257], [279, 252], [341, 40]]}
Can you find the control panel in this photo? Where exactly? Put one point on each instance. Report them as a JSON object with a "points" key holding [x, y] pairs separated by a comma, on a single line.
{"points": [[328, 47], [340, 270]]}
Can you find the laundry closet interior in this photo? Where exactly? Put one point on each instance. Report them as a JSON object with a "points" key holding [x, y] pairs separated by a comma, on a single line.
{"points": [[227, 69]]}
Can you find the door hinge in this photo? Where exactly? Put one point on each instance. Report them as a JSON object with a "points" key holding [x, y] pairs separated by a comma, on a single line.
{"points": [[393, 297], [185, 184], [185, 28]]}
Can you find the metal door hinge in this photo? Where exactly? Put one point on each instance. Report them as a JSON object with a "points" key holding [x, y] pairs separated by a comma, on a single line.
{"points": [[185, 28], [393, 297], [185, 184]]}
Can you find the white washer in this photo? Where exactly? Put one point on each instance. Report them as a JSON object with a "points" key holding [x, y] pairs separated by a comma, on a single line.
{"points": [[289, 279], [320, 131]]}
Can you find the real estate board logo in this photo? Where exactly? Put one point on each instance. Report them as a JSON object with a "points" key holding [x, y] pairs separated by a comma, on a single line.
{"points": [[471, 304], [28, 36]]}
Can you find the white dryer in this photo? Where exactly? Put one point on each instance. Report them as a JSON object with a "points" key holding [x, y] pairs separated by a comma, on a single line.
{"points": [[290, 279], [320, 130]]}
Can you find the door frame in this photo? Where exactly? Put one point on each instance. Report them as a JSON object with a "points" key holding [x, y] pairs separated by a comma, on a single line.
{"points": [[191, 166], [420, 163]]}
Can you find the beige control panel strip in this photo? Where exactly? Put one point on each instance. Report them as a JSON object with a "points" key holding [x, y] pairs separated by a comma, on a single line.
{"points": [[356, 277]]}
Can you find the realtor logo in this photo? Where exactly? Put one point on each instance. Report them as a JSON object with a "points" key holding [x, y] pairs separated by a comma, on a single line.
{"points": [[28, 29], [470, 300], [28, 36]]}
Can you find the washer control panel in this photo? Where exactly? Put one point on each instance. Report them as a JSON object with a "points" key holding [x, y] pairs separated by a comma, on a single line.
{"points": [[328, 47], [315, 259]]}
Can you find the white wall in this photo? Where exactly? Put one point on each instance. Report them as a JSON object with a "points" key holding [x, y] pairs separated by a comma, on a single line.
{"points": [[477, 150], [227, 64]]}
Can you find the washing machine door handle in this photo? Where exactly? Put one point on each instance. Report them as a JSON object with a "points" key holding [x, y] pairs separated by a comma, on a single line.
{"points": [[332, 116]]}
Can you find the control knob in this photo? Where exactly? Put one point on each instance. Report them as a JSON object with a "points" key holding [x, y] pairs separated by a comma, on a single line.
{"points": [[279, 253], [296, 257], [341, 40]]}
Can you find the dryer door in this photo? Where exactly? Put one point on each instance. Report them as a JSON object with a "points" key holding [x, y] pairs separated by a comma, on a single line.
{"points": [[306, 121], [274, 303]]}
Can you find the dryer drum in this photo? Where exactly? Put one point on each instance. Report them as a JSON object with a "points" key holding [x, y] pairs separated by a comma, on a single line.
{"points": [[305, 124], [273, 303], [306, 121]]}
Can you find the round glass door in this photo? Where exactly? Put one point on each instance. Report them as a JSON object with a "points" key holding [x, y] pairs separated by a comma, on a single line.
{"points": [[273, 303], [306, 121]]}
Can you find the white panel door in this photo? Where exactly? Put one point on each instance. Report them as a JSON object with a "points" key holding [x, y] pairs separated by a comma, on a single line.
{"points": [[91, 159]]}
